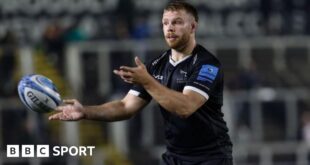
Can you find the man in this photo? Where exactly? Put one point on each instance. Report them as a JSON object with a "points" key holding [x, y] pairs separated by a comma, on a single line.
{"points": [[187, 83]]}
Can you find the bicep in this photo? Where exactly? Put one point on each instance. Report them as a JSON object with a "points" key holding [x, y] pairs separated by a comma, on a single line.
{"points": [[204, 81], [133, 104], [196, 99]]}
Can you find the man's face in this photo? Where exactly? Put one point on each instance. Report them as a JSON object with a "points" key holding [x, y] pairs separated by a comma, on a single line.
{"points": [[177, 27]]}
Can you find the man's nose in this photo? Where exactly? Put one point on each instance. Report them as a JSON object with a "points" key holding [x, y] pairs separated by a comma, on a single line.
{"points": [[170, 28]]}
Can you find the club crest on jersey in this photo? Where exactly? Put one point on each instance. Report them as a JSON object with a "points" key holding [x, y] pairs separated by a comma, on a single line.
{"points": [[208, 73], [182, 72]]}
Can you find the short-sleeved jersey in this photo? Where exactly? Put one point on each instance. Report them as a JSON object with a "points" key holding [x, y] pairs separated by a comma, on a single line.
{"points": [[203, 135]]}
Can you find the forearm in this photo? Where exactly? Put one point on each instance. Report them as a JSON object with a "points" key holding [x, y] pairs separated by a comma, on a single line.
{"points": [[111, 111]]}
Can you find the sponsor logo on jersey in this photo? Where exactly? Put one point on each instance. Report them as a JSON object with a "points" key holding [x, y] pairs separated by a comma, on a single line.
{"points": [[208, 73], [158, 77], [158, 59]]}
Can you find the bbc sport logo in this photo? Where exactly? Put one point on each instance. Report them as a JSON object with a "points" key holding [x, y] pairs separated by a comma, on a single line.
{"points": [[41, 151]]}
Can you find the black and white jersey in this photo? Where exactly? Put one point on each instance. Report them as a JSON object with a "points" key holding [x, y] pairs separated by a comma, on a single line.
{"points": [[203, 135]]}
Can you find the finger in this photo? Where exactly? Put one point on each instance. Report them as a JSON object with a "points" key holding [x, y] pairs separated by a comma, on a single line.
{"points": [[123, 74], [66, 116], [126, 78], [63, 117], [55, 116], [138, 61], [59, 108], [127, 75], [127, 69], [62, 107], [128, 81], [117, 72]]}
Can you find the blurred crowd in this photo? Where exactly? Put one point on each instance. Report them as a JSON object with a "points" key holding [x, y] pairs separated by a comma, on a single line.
{"points": [[97, 19], [44, 26], [7, 63]]}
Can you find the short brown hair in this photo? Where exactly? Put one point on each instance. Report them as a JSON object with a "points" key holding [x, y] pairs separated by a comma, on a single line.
{"points": [[181, 5]]}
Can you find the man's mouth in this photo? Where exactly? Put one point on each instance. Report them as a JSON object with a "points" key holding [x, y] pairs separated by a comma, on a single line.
{"points": [[172, 37]]}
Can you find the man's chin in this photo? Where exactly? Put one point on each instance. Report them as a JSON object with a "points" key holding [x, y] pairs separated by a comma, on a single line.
{"points": [[172, 44]]}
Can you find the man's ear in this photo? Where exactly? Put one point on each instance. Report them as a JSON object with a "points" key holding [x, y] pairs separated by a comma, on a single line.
{"points": [[194, 26]]}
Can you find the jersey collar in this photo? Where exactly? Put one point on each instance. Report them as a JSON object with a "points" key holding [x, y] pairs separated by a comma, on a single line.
{"points": [[175, 63]]}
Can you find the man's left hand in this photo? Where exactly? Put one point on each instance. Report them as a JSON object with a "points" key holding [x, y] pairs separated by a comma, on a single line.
{"points": [[134, 75]]}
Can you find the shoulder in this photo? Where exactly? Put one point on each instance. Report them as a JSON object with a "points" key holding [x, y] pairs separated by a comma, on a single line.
{"points": [[158, 60], [202, 57]]}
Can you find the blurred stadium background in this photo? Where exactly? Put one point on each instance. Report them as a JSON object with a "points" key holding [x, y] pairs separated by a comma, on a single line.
{"points": [[264, 46]]}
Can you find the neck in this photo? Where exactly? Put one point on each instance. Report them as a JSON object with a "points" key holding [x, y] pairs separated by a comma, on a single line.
{"points": [[179, 54]]}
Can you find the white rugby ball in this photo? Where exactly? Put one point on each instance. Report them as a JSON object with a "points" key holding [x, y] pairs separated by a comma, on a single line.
{"points": [[38, 93]]}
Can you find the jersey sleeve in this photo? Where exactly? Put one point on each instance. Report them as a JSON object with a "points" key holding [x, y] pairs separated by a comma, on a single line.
{"points": [[139, 91], [204, 78]]}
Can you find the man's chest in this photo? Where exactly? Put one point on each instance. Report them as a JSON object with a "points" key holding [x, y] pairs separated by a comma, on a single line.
{"points": [[173, 77]]}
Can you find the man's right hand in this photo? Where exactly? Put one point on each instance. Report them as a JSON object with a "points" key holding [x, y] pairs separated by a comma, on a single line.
{"points": [[71, 111]]}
